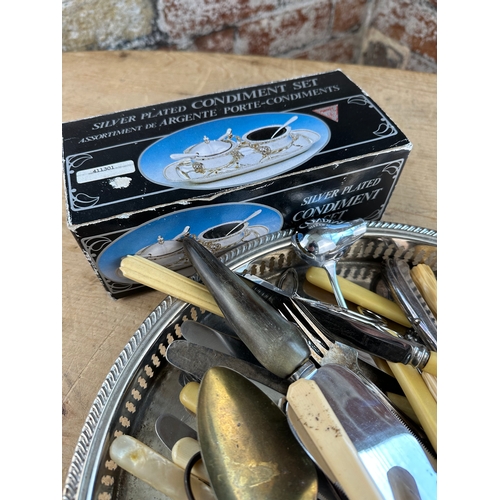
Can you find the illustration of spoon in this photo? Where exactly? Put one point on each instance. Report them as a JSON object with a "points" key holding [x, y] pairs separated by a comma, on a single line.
{"points": [[257, 212], [291, 120], [181, 156]]}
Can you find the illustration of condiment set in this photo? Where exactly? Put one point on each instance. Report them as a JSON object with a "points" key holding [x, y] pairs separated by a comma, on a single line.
{"points": [[231, 155], [169, 253]]}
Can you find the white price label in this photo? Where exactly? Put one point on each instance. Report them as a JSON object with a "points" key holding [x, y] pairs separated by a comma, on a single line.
{"points": [[105, 171]]}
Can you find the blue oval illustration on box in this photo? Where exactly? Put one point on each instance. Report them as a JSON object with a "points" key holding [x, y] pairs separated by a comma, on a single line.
{"points": [[218, 227], [233, 151]]}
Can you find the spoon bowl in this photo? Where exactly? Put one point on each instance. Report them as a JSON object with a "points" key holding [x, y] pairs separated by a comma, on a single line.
{"points": [[323, 244]]}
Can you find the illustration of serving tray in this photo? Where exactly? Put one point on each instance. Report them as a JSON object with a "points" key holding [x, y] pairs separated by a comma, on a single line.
{"points": [[239, 161], [142, 384], [161, 161]]}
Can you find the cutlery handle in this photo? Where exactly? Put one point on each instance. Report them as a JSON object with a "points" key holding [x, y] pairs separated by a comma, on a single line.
{"points": [[352, 330], [149, 466], [182, 452], [420, 398], [189, 396], [327, 441], [274, 341], [164, 280], [426, 282], [431, 366], [359, 295]]}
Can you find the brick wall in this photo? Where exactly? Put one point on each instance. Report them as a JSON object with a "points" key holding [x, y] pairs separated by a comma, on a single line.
{"points": [[391, 33]]}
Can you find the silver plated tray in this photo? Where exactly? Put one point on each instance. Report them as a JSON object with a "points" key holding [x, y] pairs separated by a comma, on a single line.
{"points": [[141, 384]]}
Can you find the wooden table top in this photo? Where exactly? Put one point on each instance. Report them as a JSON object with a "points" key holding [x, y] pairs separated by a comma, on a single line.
{"points": [[95, 328]]}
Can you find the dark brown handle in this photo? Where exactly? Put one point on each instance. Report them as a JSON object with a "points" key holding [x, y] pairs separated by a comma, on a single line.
{"points": [[274, 341]]}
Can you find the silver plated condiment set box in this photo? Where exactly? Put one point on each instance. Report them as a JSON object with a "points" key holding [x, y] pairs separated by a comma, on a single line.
{"points": [[226, 168]]}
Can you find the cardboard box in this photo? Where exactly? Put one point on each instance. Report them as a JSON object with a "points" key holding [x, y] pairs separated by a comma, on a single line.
{"points": [[139, 179]]}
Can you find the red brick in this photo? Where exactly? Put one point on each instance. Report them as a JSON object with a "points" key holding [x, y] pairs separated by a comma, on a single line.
{"points": [[183, 19], [377, 53], [342, 50], [288, 30], [220, 41], [424, 64], [349, 15], [413, 23]]}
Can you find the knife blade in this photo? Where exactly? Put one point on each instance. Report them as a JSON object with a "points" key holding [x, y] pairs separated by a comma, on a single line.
{"points": [[201, 334], [182, 441], [196, 360], [170, 429], [381, 439]]}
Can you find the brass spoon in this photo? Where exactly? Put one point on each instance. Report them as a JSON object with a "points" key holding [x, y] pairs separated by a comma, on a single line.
{"points": [[246, 444]]}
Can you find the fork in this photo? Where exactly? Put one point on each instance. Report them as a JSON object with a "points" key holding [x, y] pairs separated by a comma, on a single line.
{"points": [[323, 350]]}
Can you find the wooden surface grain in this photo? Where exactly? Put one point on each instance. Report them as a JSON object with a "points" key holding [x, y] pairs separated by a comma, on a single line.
{"points": [[95, 328]]}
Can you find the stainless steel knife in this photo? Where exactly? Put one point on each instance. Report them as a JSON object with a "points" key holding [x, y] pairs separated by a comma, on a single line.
{"points": [[201, 334], [170, 429], [381, 440], [182, 441], [196, 360], [406, 294], [341, 325]]}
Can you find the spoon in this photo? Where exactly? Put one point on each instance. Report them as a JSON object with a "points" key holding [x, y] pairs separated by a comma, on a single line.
{"points": [[257, 212], [247, 445], [291, 120], [181, 156], [323, 244]]}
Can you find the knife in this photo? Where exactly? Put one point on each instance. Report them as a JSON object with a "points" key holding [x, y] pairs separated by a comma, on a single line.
{"points": [[201, 334], [170, 429], [182, 441], [260, 327], [316, 426], [374, 430], [406, 294], [353, 330], [197, 360], [154, 469]]}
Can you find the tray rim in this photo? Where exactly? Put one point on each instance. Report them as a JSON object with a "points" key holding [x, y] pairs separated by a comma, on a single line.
{"points": [[92, 437]]}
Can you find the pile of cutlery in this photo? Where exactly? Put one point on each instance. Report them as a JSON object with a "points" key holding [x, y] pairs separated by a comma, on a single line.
{"points": [[296, 399]]}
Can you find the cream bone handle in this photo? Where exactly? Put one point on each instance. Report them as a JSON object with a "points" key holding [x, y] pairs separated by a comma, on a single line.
{"points": [[182, 452], [326, 439], [149, 466], [155, 276]]}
